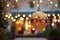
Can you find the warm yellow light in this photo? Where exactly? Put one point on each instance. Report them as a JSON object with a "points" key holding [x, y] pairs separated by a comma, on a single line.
{"points": [[27, 18], [29, 15], [52, 24], [53, 14], [17, 22], [33, 1], [33, 29], [7, 5], [24, 15], [55, 17], [41, 1], [13, 20], [21, 18], [11, 17], [37, 5], [5, 18], [29, 25], [2, 12], [56, 5], [48, 15], [58, 20], [44, 29], [26, 26], [55, 20], [6, 15], [16, 16], [58, 15], [51, 2], [16, 0]]}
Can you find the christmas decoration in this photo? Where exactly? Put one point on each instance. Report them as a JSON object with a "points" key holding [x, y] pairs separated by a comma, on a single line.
{"points": [[3, 23], [39, 20]]}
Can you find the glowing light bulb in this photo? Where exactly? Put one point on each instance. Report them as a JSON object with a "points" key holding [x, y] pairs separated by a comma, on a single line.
{"points": [[48, 15], [55, 17], [18, 15], [7, 5], [2, 12], [11, 17], [56, 5], [13, 20], [55, 20], [53, 14], [37, 5], [33, 1], [58, 14], [52, 24], [21, 18], [58, 20], [29, 15], [27, 18], [6, 15], [41, 1], [16, 0], [5, 18], [51, 2], [24, 15]]}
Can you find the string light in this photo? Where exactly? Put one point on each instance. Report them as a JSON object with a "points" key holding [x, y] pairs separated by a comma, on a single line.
{"points": [[5, 18], [29, 15], [51, 2], [11, 17], [16, 0], [55, 17], [21, 18], [52, 24], [56, 5], [58, 20], [24, 15], [58, 14], [18, 15], [41, 1], [37, 5], [8, 16], [27, 18], [53, 14], [2, 12], [33, 1], [7, 5], [48, 15], [13, 20], [55, 20]]}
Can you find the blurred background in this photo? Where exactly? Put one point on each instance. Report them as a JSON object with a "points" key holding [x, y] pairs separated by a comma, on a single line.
{"points": [[30, 18]]}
